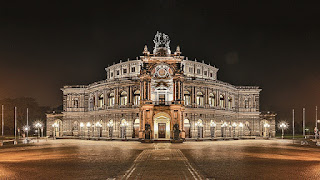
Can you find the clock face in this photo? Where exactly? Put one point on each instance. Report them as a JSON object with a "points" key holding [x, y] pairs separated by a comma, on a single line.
{"points": [[162, 71]]}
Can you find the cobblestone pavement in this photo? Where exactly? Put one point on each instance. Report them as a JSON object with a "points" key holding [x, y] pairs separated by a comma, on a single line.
{"points": [[162, 163], [81, 159]]}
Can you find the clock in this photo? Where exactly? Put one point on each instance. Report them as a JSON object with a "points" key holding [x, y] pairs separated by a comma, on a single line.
{"points": [[162, 71]]}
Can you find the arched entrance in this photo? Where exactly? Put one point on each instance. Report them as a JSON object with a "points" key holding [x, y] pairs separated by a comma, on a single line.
{"points": [[162, 126], [58, 128], [75, 128]]}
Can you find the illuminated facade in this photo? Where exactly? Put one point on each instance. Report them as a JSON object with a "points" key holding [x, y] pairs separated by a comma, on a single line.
{"points": [[149, 97]]}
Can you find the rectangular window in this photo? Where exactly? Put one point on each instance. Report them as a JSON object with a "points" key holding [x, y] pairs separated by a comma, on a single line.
{"points": [[124, 71], [198, 71], [111, 74], [211, 75], [118, 72], [205, 73], [133, 69], [190, 69]]}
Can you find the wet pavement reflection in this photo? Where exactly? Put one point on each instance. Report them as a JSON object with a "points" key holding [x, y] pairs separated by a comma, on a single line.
{"points": [[81, 159]]}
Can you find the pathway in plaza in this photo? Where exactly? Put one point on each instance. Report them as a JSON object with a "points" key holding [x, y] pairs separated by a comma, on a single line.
{"points": [[162, 163], [81, 159]]}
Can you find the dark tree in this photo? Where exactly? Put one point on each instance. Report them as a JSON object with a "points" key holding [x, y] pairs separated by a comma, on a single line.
{"points": [[36, 112]]}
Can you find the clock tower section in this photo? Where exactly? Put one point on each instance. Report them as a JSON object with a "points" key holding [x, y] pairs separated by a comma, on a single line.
{"points": [[161, 86]]}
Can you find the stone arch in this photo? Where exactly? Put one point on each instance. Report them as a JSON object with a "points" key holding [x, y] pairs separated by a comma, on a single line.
{"points": [[200, 98], [101, 100], [58, 130], [123, 97], [161, 125]]}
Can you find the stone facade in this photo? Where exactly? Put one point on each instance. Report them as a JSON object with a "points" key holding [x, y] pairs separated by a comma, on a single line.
{"points": [[147, 97]]}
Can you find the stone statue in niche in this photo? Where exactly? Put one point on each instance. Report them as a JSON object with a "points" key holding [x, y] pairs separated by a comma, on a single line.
{"points": [[147, 131], [176, 132]]}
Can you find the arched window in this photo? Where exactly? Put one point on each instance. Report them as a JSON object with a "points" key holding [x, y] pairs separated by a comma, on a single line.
{"points": [[246, 103], [136, 97], [91, 103], [111, 99], [199, 123], [229, 102], [76, 102], [187, 98], [212, 99], [123, 98], [221, 103], [75, 125], [100, 103], [199, 99]]}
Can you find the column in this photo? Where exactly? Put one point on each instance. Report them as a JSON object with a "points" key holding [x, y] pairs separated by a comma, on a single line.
{"points": [[149, 90], [174, 90], [206, 97], [179, 92], [141, 91], [144, 90]]}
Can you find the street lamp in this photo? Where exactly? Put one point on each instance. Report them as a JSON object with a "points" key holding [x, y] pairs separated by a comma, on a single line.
{"points": [[54, 126], [199, 125], [234, 125], [88, 127], [38, 125], [98, 125], [223, 128], [123, 126], [26, 129], [266, 127], [283, 126], [213, 128], [110, 126], [81, 127], [241, 126]]}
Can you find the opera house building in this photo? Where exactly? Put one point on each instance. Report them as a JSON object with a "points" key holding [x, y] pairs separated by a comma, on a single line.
{"points": [[161, 96]]}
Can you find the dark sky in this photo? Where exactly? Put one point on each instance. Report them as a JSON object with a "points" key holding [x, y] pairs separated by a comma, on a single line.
{"points": [[275, 45]]}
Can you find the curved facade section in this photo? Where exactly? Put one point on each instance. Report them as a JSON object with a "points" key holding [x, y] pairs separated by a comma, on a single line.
{"points": [[161, 96]]}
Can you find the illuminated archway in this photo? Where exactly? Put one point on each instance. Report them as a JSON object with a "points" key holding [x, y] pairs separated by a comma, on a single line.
{"points": [[161, 125]]}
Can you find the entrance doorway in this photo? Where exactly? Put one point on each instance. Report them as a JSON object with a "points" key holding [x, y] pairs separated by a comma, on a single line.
{"points": [[161, 126], [162, 130]]}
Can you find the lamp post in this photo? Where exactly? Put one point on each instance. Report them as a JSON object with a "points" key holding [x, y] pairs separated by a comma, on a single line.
{"points": [[110, 126], [81, 127], [213, 128], [223, 128], [98, 125], [241, 132], [266, 129], [52, 131], [54, 126], [27, 126], [123, 126], [88, 127], [26, 129], [38, 125], [199, 125], [283, 126], [234, 125]]}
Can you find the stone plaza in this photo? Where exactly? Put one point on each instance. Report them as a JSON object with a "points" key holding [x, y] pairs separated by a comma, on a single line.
{"points": [[237, 159]]}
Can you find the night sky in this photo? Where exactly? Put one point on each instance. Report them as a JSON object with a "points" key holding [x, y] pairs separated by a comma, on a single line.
{"points": [[276, 46]]}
